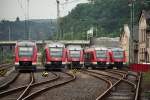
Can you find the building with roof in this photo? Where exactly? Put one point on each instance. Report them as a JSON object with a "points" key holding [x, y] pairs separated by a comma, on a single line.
{"points": [[144, 37]]}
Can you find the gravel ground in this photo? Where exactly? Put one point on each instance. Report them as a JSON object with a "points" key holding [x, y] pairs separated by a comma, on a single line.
{"points": [[85, 87], [22, 80], [39, 76], [107, 73], [9, 75]]}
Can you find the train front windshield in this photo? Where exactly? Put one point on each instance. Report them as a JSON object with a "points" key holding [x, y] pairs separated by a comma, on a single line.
{"points": [[118, 54], [101, 54], [25, 51], [74, 54], [56, 52]]}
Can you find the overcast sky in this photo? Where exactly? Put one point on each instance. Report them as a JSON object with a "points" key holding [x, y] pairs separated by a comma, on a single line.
{"points": [[38, 9]]}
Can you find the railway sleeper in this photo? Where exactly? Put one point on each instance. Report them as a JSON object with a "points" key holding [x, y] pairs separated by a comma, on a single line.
{"points": [[120, 98], [122, 94]]}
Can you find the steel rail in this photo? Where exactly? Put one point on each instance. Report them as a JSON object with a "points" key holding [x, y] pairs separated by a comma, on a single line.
{"points": [[125, 80], [138, 86], [32, 85], [34, 94], [131, 83], [108, 90], [28, 87], [106, 80], [10, 81], [3, 66], [124, 72]]}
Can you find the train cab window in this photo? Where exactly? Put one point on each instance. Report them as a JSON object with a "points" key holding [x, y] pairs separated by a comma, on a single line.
{"points": [[118, 54], [74, 54], [26, 51], [101, 54], [56, 52]]}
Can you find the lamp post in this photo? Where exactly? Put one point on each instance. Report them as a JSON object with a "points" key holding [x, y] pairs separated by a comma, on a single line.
{"points": [[131, 5], [58, 20], [9, 32]]}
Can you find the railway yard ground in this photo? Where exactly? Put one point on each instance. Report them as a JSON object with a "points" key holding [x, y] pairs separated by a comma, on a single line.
{"points": [[76, 84]]}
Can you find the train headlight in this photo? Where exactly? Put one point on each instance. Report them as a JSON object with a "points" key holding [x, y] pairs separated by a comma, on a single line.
{"points": [[63, 62], [33, 63], [16, 63], [48, 62], [68, 62], [107, 63], [81, 62], [94, 63]]}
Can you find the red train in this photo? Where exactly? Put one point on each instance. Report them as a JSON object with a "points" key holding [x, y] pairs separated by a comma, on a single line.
{"points": [[117, 57], [54, 56], [25, 55], [96, 57], [75, 56]]}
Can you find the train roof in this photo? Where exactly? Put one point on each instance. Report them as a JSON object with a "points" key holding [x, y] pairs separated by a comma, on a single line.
{"points": [[56, 44], [101, 48], [25, 43], [95, 48], [74, 47], [117, 49]]}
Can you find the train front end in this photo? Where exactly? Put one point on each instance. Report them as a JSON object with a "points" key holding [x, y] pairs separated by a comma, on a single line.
{"points": [[75, 56], [25, 55], [118, 57], [55, 56], [102, 57]]}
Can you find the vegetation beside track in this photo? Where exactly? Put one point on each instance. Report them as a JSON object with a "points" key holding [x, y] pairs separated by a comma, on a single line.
{"points": [[146, 77], [146, 85]]}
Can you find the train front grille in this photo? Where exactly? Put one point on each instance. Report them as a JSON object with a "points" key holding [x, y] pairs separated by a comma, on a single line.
{"points": [[56, 62], [25, 63]]}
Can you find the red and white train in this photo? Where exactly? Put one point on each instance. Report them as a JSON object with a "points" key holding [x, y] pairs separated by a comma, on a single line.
{"points": [[96, 57], [54, 56], [117, 57], [25, 55], [75, 57]]}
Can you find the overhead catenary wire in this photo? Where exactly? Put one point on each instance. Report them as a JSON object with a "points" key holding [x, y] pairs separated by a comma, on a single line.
{"points": [[25, 11]]}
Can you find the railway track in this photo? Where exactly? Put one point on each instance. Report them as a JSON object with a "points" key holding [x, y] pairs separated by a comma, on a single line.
{"points": [[35, 93], [19, 80], [5, 83], [120, 85], [32, 89], [108, 77], [10, 93], [4, 68], [126, 88], [21, 91]]}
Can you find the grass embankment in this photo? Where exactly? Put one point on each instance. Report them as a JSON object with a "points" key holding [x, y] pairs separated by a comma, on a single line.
{"points": [[146, 77]]}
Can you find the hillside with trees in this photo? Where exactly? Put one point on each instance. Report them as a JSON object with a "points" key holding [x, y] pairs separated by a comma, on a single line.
{"points": [[19, 30], [106, 16]]}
